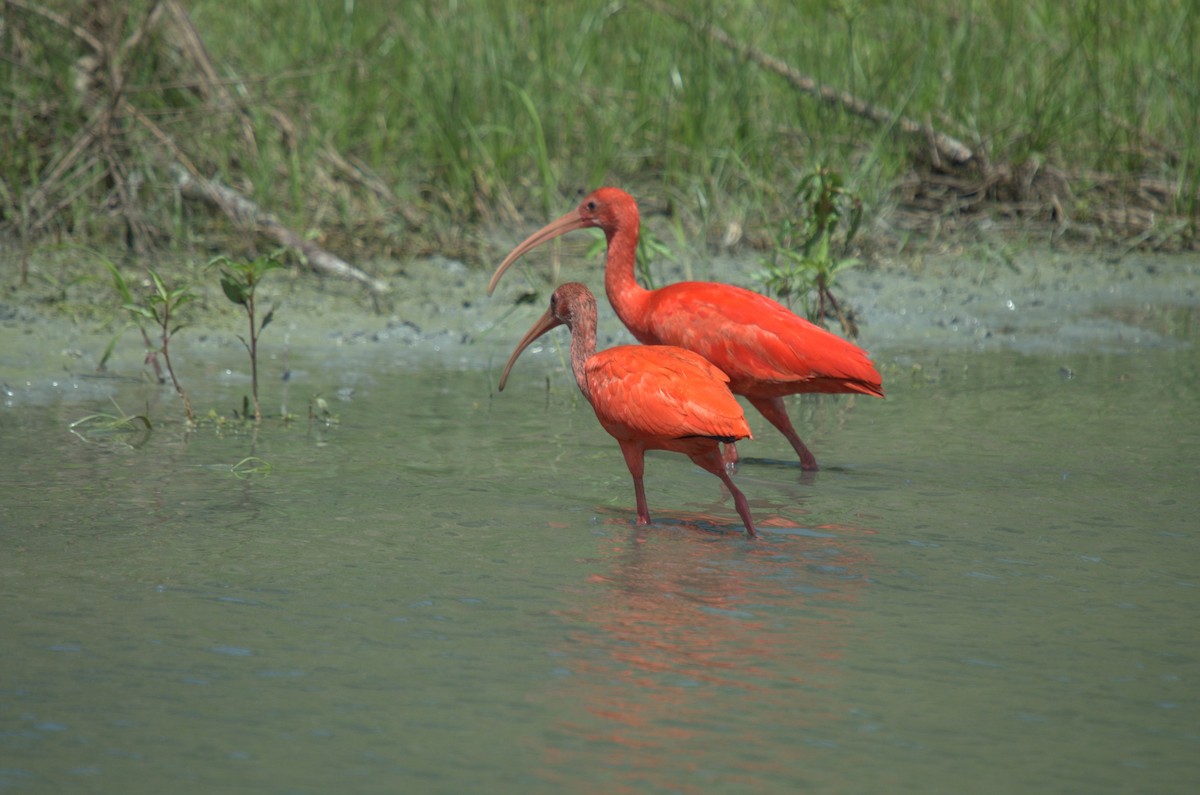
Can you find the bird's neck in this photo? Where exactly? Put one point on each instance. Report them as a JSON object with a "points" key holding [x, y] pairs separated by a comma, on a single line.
{"points": [[583, 347], [620, 283]]}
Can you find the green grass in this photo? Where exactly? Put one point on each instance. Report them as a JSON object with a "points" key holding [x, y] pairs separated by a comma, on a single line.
{"points": [[467, 108]]}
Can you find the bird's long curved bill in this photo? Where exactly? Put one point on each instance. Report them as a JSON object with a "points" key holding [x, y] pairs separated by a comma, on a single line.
{"points": [[543, 324], [568, 223]]}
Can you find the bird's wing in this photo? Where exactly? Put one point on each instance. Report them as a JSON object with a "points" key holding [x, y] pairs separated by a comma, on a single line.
{"points": [[750, 336], [662, 392]]}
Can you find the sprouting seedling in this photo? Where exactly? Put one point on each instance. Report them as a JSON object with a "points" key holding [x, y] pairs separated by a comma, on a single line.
{"points": [[125, 293], [161, 308], [806, 257], [239, 280], [829, 205]]}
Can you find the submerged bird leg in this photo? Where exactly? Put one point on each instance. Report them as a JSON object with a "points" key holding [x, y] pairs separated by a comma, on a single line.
{"points": [[776, 414], [635, 459], [740, 502]]}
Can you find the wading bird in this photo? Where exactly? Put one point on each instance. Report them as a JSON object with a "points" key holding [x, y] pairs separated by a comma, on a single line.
{"points": [[648, 397], [766, 350]]}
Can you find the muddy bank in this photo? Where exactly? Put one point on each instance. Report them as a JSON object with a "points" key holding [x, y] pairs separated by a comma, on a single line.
{"points": [[1035, 302], [1039, 302]]}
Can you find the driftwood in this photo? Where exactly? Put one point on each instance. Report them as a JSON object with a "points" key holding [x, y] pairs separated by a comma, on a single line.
{"points": [[246, 213], [943, 146]]}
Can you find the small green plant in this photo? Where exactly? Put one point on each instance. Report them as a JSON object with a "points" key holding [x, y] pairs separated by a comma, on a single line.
{"points": [[102, 425], [252, 466], [127, 300], [318, 411], [239, 281], [161, 307], [811, 251]]}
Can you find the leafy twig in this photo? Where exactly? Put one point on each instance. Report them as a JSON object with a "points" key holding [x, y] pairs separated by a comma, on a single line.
{"points": [[160, 308], [806, 258], [239, 281]]}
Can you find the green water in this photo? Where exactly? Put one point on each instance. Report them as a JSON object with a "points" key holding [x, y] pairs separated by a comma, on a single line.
{"points": [[992, 586]]}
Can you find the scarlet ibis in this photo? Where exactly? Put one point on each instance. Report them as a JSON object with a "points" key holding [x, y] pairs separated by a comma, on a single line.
{"points": [[766, 350], [648, 397]]}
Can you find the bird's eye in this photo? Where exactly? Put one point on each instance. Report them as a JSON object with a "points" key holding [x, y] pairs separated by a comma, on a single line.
{"points": [[591, 206]]}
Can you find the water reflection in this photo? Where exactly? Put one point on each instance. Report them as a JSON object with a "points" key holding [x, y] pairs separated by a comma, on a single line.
{"points": [[995, 564], [677, 625]]}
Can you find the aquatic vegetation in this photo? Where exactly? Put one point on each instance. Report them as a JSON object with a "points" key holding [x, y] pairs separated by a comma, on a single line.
{"points": [[239, 281], [157, 317], [103, 425], [161, 308]]}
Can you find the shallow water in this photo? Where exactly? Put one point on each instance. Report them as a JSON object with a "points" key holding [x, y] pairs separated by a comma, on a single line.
{"points": [[992, 586]]}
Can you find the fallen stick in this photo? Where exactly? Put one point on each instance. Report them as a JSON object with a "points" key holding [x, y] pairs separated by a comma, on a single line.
{"points": [[943, 145], [245, 212]]}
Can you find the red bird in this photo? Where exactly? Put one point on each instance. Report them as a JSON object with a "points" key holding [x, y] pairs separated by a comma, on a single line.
{"points": [[766, 350], [648, 397]]}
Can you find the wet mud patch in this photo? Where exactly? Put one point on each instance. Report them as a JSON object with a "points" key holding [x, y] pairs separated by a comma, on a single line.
{"points": [[438, 310]]}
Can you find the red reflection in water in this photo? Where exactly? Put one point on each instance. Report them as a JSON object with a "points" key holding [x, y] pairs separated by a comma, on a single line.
{"points": [[697, 651]]}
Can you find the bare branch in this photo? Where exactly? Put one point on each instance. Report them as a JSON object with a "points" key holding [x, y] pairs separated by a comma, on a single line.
{"points": [[946, 147], [58, 19], [245, 212]]}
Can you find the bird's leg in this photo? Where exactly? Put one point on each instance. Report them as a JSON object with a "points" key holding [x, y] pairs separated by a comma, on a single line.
{"points": [[714, 463], [730, 457], [740, 502], [776, 414], [635, 459]]}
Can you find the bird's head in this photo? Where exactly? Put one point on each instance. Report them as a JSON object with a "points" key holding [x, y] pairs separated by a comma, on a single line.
{"points": [[572, 305], [609, 209]]}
